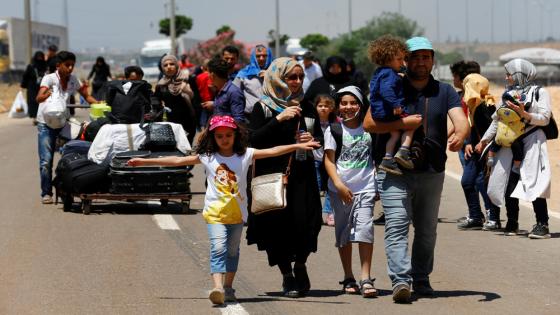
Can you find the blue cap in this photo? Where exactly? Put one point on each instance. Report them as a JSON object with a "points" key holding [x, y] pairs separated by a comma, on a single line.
{"points": [[419, 43]]}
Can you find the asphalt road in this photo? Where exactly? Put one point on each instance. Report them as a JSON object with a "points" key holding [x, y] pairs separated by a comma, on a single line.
{"points": [[137, 258]]}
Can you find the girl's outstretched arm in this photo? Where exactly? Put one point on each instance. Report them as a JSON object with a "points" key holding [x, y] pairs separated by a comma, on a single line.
{"points": [[283, 149], [165, 161]]}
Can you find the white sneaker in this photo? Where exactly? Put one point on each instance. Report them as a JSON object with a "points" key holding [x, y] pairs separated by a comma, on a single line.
{"points": [[47, 200]]}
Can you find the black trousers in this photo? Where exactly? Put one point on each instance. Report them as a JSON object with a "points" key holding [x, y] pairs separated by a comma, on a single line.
{"points": [[512, 204]]}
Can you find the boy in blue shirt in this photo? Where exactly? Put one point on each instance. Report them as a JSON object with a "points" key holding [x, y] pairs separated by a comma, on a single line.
{"points": [[387, 98]]}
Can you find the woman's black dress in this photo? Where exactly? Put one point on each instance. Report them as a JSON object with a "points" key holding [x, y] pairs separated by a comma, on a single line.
{"points": [[181, 111], [293, 231]]}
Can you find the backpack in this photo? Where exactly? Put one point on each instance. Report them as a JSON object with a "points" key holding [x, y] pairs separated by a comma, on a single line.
{"points": [[128, 108], [550, 130]]}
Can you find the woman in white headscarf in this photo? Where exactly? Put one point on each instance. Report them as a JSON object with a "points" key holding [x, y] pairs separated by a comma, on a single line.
{"points": [[532, 184], [288, 235]]}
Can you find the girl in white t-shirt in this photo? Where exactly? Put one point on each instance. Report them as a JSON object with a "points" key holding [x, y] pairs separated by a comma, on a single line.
{"points": [[223, 151]]}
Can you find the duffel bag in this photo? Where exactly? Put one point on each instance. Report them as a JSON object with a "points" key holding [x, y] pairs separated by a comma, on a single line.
{"points": [[76, 146]]}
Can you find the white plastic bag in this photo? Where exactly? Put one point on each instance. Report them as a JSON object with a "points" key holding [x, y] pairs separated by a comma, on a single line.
{"points": [[55, 113], [19, 107]]}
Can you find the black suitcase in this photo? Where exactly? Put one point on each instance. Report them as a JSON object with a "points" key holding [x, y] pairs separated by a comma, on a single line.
{"points": [[147, 179], [76, 174]]}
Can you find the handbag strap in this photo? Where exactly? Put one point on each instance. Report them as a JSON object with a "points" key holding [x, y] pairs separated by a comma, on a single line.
{"points": [[426, 102], [287, 173]]}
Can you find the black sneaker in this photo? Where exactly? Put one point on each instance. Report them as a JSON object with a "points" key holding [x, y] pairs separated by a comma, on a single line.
{"points": [[492, 225], [390, 166], [403, 158], [470, 224], [540, 231], [401, 293], [511, 229], [423, 287], [380, 220]]}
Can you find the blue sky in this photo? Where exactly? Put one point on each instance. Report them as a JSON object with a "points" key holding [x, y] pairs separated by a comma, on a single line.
{"points": [[126, 24]]}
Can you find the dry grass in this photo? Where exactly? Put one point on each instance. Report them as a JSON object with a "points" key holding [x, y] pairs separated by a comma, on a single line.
{"points": [[7, 95]]}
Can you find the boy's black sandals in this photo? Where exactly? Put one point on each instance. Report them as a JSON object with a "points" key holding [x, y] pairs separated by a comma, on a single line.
{"points": [[349, 286]]}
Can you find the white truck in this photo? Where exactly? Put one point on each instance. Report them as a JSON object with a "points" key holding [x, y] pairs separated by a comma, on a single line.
{"points": [[153, 50], [13, 43]]}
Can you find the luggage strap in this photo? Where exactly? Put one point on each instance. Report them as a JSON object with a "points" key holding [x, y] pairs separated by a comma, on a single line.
{"points": [[129, 135]]}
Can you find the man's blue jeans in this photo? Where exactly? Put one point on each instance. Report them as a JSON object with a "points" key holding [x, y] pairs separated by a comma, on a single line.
{"points": [[410, 197], [224, 247], [473, 183], [46, 141]]}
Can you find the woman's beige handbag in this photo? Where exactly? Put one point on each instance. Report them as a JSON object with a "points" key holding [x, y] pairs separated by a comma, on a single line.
{"points": [[269, 192]]}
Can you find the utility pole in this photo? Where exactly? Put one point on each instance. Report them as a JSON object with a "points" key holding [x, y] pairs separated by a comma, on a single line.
{"points": [[400, 7], [277, 38], [172, 32], [350, 18], [27, 9]]}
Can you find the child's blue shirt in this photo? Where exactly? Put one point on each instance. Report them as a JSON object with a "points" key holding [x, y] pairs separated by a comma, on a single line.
{"points": [[386, 93]]}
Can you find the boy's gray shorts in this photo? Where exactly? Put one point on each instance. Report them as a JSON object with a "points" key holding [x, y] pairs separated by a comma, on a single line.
{"points": [[353, 222]]}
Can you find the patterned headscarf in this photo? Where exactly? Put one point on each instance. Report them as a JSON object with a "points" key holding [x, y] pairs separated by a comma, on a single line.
{"points": [[475, 89], [522, 71], [176, 83], [276, 93]]}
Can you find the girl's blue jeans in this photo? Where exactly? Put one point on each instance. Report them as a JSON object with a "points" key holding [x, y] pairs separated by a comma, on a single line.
{"points": [[224, 247], [327, 206]]}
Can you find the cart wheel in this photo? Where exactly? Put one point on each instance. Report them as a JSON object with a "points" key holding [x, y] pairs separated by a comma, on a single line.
{"points": [[86, 206], [186, 206], [67, 201], [164, 202]]}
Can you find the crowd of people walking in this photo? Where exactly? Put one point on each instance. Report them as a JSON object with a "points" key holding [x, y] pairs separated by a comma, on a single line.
{"points": [[354, 145]]}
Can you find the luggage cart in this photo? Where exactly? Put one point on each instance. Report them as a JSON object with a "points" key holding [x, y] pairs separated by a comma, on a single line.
{"points": [[184, 198]]}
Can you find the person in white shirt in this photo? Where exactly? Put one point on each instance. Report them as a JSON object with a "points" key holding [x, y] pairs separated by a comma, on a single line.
{"points": [[311, 69], [352, 189], [54, 93]]}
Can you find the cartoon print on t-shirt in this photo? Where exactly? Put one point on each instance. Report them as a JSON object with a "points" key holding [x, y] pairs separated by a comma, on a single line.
{"points": [[226, 209]]}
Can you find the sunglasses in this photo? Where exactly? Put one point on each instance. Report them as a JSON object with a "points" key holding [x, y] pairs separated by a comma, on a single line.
{"points": [[294, 77]]}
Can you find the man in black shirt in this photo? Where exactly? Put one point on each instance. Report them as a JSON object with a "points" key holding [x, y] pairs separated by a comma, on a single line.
{"points": [[416, 194]]}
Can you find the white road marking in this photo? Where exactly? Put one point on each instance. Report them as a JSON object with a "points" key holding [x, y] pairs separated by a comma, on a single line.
{"points": [[166, 222], [233, 309], [524, 203]]}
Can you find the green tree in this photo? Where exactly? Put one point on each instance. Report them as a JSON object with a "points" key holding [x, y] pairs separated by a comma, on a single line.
{"points": [[314, 41], [223, 29], [354, 46], [183, 24]]}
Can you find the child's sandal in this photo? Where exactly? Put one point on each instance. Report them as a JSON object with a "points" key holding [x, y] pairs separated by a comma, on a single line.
{"points": [[367, 289]]}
